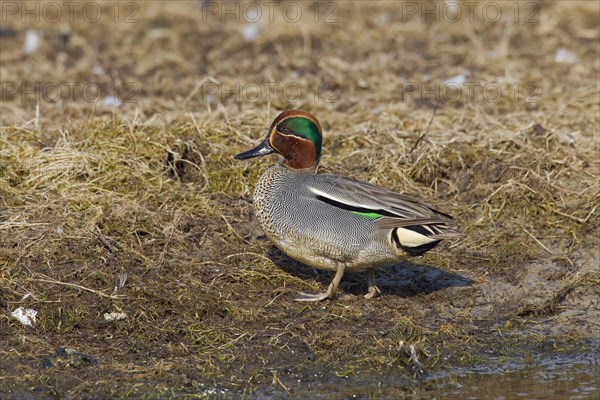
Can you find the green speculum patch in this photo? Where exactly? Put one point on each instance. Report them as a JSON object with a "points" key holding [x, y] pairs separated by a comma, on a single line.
{"points": [[369, 215], [306, 129]]}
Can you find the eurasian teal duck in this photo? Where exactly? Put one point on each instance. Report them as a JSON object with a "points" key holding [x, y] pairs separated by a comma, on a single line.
{"points": [[333, 222]]}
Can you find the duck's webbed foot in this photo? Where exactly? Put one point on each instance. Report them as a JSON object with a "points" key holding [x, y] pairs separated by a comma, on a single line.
{"points": [[316, 296], [331, 289], [373, 289]]}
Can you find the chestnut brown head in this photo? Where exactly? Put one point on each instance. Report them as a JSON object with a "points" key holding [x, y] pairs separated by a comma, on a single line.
{"points": [[294, 134]]}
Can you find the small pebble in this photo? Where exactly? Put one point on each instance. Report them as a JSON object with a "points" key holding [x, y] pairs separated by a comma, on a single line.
{"points": [[32, 42], [26, 316]]}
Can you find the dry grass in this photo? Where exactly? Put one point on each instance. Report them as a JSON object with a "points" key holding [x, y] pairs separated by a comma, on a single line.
{"points": [[150, 189]]}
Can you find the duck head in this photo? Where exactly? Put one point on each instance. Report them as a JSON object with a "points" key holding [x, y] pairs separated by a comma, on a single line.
{"points": [[294, 134]]}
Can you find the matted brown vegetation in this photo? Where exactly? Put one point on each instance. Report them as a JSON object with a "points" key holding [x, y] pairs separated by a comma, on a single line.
{"points": [[89, 193]]}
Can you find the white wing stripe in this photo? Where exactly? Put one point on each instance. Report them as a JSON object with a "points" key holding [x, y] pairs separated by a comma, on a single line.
{"points": [[340, 200]]}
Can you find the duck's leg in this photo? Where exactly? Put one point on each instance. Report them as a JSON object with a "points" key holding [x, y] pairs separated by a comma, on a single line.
{"points": [[331, 289], [373, 289]]}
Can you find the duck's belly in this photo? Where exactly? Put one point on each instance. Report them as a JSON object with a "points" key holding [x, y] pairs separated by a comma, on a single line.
{"points": [[323, 254]]}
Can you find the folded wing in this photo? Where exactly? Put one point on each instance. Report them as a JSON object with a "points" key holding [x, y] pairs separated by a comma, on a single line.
{"points": [[389, 209]]}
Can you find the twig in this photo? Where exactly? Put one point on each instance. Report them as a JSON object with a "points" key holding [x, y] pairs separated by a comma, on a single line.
{"points": [[278, 381], [120, 282], [580, 220], [422, 136], [102, 239], [233, 230], [97, 292], [237, 339], [537, 241]]}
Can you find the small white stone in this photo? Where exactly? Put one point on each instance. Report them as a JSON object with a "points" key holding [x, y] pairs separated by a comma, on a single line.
{"points": [[97, 70], [564, 56], [32, 42], [382, 19], [26, 316], [111, 101], [250, 32], [457, 80], [566, 139], [115, 316]]}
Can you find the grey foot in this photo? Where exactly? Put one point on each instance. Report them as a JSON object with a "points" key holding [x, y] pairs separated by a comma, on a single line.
{"points": [[329, 294], [373, 289], [373, 292], [314, 297], [331, 289]]}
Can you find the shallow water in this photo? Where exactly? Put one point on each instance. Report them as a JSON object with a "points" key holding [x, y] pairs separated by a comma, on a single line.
{"points": [[580, 381], [545, 377]]}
